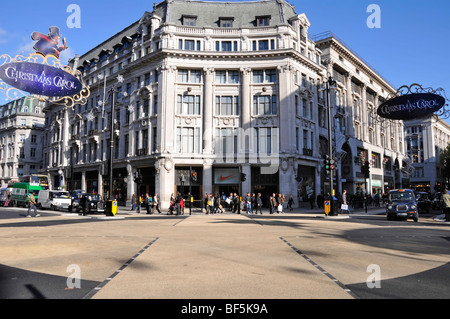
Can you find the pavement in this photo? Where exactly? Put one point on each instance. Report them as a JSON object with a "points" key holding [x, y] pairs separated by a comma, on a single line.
{"points": [[196, 257]]}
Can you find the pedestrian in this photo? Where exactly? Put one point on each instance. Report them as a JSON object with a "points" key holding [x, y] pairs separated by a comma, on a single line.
{"points": [[258, 204], [178, 203], [445, 201], [344, 205], [157, 203], [279, 204], [207, 204], [236, 204], [32, 205], [83, 204], [147, 203], [248, 202], [291, 203], [311, 200], [182, 205], [271, 204], [133, 202]]}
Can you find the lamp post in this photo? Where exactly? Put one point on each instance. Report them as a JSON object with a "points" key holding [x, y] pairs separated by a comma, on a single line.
{"points": [[112, 91], [329, 84]]}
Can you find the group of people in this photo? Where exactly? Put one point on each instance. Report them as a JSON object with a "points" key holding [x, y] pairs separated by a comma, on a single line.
{"points": [[146, 202], [251, 204]]}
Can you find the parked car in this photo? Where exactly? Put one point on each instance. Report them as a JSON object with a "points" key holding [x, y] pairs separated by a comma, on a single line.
{"points": [[423, 202], [436, 202], [54, 200], [402, 204], [94, 203]]}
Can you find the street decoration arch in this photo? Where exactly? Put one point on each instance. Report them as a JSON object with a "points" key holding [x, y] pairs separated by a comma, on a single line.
{"points": [[415, 102], [42, 74]]}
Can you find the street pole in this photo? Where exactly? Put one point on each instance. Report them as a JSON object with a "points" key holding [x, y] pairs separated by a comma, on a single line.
{"points": [[111, 146], [330, 82]]}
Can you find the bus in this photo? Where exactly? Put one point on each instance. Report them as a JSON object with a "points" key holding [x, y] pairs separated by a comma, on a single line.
{"points": [[22, 191], [35, 180]]}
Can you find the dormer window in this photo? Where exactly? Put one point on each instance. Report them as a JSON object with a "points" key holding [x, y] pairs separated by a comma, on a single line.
{"points": [[263, 21], [189, 20], [226, 22]]}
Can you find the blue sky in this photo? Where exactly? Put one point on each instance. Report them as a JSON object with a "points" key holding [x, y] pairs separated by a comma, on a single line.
{"points": [[410, 47]]}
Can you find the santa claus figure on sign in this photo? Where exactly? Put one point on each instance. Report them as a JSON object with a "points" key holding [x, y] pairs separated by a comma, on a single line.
{"points": [[49, 44]]}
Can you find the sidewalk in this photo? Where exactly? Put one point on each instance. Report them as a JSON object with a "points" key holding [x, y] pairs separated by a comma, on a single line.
{"points": [[126, 210]]}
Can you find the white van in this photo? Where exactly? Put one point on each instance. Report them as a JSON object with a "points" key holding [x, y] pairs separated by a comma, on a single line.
{"points": [[54, 200]]}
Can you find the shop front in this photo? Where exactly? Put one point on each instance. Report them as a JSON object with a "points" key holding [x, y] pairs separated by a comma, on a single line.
{"points": [[226, 180], [306, 184]]}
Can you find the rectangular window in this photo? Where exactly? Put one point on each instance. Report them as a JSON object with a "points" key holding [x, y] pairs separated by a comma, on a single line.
{"points": [[227, 105], [155, 104], [265, 140], [188, 105], [262, 21], [183, 76], [189, 45], [226, 22], [188, 140], [189, 21], [221, 77], [225, 142], [264, 105], [258, 76]]}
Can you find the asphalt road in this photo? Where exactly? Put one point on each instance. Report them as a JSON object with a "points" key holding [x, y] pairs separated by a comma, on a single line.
{"points": [[287, 256]]}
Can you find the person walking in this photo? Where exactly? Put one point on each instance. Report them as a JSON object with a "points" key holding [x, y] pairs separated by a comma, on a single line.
{"points": [[290, 203], [133, 202], [236, 203], [258, 204], [344, 205], [271, 204], [178, 203], [279, 204], [32, 205], [248, 203], [83, 203], [445, 200], [157, 203]]}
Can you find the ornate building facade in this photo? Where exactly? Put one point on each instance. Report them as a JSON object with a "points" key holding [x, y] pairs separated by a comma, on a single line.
{"points": [[229, 91]]}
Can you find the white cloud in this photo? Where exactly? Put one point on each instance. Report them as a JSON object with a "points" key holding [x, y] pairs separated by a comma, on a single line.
{"points": [[26, 49], [3, 36]]}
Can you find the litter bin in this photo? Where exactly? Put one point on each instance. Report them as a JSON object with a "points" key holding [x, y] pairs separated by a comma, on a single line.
{"points": [[111, 208]]}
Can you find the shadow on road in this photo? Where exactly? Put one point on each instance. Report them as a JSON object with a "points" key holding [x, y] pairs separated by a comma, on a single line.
{"points": [[16, 283], [418, 286]]}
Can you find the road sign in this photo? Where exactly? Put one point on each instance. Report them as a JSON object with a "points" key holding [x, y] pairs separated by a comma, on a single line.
{"points": [[327, 207]]}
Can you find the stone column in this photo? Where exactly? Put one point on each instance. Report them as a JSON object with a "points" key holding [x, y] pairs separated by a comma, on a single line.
{"points": [[208, 106]]}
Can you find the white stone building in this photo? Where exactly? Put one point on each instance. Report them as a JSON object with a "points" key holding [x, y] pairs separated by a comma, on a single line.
{"points": [[221, 89], [21, 138], [425, 139]]}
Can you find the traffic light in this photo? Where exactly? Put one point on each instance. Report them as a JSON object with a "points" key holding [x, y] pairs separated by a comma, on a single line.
{"points": [[366, 169], [243, 177], [194, 176], [329, 164], [137, 178]]}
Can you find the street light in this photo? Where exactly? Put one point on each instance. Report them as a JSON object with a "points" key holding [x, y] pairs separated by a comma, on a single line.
{"points": [[112, 91], [329, 84]]}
